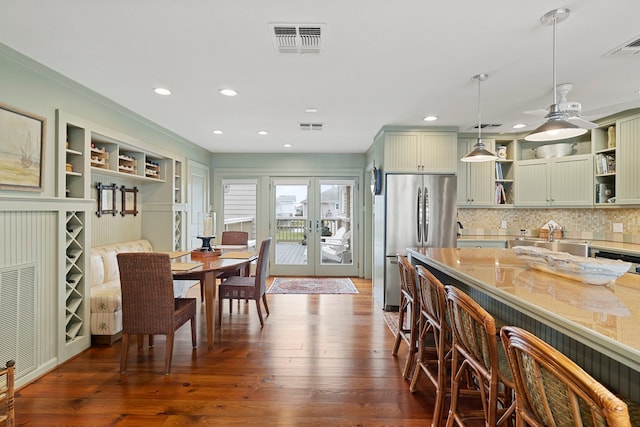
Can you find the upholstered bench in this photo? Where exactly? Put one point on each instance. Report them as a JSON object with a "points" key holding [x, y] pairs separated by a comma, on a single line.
{"points": [[105, 298]]}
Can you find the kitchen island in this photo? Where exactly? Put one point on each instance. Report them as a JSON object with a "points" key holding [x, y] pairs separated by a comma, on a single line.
{"points": [[596, 326]]}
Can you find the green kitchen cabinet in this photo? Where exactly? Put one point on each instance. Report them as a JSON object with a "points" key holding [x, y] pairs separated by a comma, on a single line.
{"points": [[627, 190], [475, 180]]}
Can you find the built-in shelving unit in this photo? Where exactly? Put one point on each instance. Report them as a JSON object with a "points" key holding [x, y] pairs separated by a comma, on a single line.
{"points": [[604, 149], [75, 276], [505, 171]]}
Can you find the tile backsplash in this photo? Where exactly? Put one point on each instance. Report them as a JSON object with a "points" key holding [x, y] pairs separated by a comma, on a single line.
{"points": [[594, 224]]}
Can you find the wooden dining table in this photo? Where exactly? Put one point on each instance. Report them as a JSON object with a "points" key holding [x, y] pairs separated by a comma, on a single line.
{"points": [[233, 258]]}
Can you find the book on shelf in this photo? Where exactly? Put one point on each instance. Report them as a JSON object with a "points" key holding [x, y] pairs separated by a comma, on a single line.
{"points": [[499, 175], [500, 195]]}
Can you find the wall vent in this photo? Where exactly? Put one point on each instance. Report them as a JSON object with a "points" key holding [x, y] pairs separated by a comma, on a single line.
{"points": [[631, 47], [18, 316], [311, 126], [297, 38]]}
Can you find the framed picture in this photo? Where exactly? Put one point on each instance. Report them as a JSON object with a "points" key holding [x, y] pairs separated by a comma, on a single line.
{"points": [[106, 199], [22, 137], [129, 201]]}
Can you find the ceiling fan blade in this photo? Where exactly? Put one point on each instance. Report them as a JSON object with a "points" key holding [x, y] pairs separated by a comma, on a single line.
{"points": [[540, 112], [582, 123]]}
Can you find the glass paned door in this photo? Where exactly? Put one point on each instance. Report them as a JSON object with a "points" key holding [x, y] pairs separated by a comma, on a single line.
{"points": [[313, 226]]}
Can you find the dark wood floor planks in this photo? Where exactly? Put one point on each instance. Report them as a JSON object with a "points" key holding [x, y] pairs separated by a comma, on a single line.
{"points": [[320, 360]]}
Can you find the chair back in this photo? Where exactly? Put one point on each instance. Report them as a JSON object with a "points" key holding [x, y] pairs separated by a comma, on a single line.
{"points": [[7, 394], [552, 390], [474, 332], [433, 299], [235, 238], [407, 279], [261, 268], [146, 283]]}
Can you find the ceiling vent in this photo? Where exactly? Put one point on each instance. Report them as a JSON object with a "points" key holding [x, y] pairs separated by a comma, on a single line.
{"points": [[631, 47], [297, 38], [487, 126], [310, 126]]}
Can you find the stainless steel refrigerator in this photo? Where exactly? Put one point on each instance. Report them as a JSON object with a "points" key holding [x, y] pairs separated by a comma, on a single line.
{"points": [[416, 210]]}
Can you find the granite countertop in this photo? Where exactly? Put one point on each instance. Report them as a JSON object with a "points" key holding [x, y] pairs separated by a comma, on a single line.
{"points": [[604, 317], [604, 245]]}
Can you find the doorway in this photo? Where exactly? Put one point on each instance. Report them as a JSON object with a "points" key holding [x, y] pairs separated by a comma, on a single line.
{"points": [[312, 221]]}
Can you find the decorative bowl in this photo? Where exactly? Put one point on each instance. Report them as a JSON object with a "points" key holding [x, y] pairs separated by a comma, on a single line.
{"points": [[595, 271]]}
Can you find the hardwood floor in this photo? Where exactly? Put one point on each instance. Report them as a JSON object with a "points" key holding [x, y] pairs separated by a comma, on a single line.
{"points": [[320, 360]]}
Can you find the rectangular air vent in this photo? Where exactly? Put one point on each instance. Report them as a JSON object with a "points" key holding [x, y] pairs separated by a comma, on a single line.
{"points": [[310, 126], [631, 47], [484, 126], [297, 38]]}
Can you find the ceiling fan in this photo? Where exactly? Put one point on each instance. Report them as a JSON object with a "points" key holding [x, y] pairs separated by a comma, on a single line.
{"points": [[571, 109]]}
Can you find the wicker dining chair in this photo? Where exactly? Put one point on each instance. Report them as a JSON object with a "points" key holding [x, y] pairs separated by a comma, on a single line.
{"points": [[148, 303], [7, 394], [552, 390], [233, 238], [408, 314], [434, 340], [248, 288], [478, 361]]}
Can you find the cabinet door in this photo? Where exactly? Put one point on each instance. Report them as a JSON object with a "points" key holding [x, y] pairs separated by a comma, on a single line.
{"points": [[401, 152], [571, 181], [439, 152], [627, 158], [475, 180], [463, 174], [531, 184]]}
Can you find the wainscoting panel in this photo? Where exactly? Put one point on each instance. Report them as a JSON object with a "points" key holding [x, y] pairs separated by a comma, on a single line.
{"points": [[28, 293]]}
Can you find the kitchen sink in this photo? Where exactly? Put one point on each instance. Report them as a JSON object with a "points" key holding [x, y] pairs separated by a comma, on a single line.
{"points": [[574, 247]]}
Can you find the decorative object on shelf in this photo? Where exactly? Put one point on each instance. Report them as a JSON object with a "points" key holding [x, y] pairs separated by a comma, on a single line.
{"points": [[556, 127], [501, 151], [479, 152], [21, 149], [611, 137], [129, 201], [106, 199]]}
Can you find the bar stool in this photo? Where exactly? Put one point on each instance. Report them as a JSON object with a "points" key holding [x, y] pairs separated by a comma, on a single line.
{"points": [[408, 315], [7, 394], [552, 390], [476, 364], [434, 339]]}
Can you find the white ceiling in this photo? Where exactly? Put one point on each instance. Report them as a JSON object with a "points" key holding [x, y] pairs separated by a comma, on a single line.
{"points": [[383, 63]]}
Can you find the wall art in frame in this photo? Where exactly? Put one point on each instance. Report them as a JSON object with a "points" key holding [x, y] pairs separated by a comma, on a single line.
{"points": [[106, 199], [22, 142], [129, 201]]}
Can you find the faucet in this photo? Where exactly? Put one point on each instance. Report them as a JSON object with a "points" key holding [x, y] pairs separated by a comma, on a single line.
{"points": [[551, 230]]}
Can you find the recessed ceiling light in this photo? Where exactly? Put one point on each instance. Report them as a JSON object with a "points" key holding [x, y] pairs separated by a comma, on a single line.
{"points": [[218, 132], [287, 145], [263, 132], [162, 91], [518, 125], [430, 118], [310, 110], [228, 92], [638, 92]]}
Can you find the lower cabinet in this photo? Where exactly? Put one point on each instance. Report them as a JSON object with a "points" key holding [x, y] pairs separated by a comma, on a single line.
{"points": [[561, 181]]}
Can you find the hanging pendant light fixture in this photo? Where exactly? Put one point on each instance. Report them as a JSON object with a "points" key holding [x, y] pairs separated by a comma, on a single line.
{"points": [[479, 152], [556, 127]]}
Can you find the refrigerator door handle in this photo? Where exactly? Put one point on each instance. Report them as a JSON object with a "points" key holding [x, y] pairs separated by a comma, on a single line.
{"points": [[425, 215], [418, 215]]}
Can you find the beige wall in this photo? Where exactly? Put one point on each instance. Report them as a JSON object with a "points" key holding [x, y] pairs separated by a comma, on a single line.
{"points": [[580, 223]]}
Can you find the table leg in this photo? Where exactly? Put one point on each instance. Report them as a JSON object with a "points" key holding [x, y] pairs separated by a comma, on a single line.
{"points": [[209, 283]]}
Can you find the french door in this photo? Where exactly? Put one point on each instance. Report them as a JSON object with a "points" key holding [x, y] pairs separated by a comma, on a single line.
{"points": [[312, 222]]}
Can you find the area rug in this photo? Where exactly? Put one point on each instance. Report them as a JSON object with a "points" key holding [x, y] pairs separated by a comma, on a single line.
{"points": [[320, 285], [391, 319]]}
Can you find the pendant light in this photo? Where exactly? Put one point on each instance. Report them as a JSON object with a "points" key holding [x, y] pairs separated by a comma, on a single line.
{"points": [[479, 152], [556, 127]]}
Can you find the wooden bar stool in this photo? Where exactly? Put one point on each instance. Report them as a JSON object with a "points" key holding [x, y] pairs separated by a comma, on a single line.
{"points": [[434, 339], [476, 364], [408, 315], [7, 393], [552, 390]]}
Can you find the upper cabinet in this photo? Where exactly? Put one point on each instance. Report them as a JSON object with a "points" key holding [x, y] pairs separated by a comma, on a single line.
{"points": [[419, 151], [627, 159], [475, 180]]}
